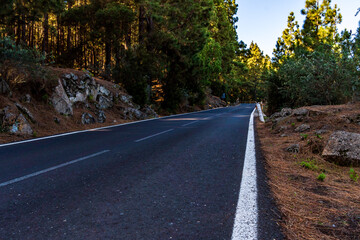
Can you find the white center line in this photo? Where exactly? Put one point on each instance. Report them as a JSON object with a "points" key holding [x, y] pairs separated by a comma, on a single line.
{"points": [[51, 169], [187, 124], [245, 225], [157, 134]]}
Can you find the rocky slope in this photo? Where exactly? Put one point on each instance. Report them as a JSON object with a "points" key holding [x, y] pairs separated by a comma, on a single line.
{"points": [[312, 156], [78, 102]]}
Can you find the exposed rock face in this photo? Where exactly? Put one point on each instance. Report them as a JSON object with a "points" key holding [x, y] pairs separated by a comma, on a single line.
{"points": [[133, 114], [61, 101], [286, 112], [101, 116], [149, 112], [302, 128], [295, 148], [104, 102], [87, 118], [25, 111], [7, 119], [23, 125], [343, 148], [301, 112]]}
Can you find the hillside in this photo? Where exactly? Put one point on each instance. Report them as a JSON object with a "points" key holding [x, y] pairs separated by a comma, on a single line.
{"points": [[313, 163]]}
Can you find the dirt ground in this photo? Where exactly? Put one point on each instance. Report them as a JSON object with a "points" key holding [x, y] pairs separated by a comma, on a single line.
{"points": [[310, 208]]}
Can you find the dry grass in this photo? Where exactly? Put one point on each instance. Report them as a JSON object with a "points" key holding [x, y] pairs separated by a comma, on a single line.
{"points": [[312, 209]]}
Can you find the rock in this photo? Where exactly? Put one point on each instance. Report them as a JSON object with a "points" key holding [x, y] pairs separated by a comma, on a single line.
{"points": [[101, 116], [321, 131], [26, 98], [104, 103], [302, 128], [7, 119], [23, 125], [4, 87], [301, 112], [295, 148], [61, 101], [300, 118], [284, 135], [126, 99], [87, 118], [104, 91], [56, 120], [283, 128], [149, 112], [286, 112], [133, 113], [276, 115], [343, 148], [26, 112], [354, 118], [79, 97]]}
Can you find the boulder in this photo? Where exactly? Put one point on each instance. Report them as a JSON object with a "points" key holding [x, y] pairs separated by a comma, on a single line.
{"points": [[87, 118], [343, 148], [104, 102], [25, 111], [286, 112], [21, 126], [133, 113], [149, 112], [61, 101], [104, 91], [7, 119], [79, 97], [101, 116], [302, 128], [295, 148], [4, 87], [301, 112]]}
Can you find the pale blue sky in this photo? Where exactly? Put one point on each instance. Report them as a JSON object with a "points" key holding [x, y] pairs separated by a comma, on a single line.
{"points": [[263, 21]]}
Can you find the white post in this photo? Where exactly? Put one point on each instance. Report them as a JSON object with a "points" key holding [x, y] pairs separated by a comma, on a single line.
{"points": [[261, 115]]}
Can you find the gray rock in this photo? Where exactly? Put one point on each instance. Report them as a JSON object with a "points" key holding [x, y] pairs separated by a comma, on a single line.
{"points": [[283, 128], [104, 102], [286, 112], [24, 127], [79, 97], [295, 148], [149, 112], [343, 148], [87, 118], [126, 99], [133, 114], [61, 101], [301, 112], [321, 131], [4, 87], [104, 91], [275, 115], [101, 116], [284, 135], [26, 112], [302, 128], [21, 126], [7, 119], [26, 98]]}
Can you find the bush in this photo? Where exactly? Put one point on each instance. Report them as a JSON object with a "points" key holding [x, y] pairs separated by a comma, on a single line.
{"points": [[321, 177], [320, 77], [353, 175]]}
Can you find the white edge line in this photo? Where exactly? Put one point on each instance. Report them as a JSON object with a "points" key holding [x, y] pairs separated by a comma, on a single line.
{"points": [[51, 169], [187, 124], [154, 135], [112, 126], [245, 223]]}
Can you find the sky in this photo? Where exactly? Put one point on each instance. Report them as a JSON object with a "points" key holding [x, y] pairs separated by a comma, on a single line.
{"points": [[263, 21]]}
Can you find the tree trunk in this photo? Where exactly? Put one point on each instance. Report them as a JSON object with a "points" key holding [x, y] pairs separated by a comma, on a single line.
{"points": [[45, 43], [141, 24]]}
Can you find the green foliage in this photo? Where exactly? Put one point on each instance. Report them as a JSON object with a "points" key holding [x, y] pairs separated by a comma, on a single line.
{"points": [[353, 175], [321, 177], [304, 136], [309, 164]]}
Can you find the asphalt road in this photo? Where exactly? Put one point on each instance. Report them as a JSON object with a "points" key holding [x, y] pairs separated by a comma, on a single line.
{"points": [[170, 178]]}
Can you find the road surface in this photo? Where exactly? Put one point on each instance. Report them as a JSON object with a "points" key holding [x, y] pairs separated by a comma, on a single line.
{"points": [[170, 178]]}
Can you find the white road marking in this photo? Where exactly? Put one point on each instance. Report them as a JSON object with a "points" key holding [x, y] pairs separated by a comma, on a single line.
{"points": [[157, 134], [107, 127], [51, 169], [187, 124], [245, 224]]}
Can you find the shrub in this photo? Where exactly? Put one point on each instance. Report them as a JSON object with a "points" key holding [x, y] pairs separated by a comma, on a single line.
{"points": [[321, 177], [308, 164], [353, 175]]}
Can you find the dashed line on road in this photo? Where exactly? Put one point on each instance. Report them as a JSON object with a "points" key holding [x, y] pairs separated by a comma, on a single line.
{"points": [[51, 169], [187, 124], [154, 135], [245, 224]]}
